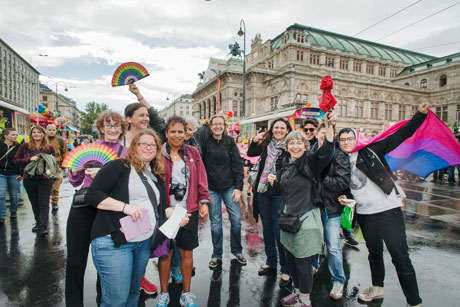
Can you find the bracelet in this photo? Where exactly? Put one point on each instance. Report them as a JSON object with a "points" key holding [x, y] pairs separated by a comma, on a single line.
{"points": [[140, 99], [122, 210]]}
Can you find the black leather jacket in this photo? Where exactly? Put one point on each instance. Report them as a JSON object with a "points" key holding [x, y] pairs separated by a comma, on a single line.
{"points": [[371, 159], [336, 183]]}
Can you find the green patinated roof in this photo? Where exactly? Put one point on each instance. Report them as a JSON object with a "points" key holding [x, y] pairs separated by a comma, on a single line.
{"points": [[356, 45], [455, 57]]}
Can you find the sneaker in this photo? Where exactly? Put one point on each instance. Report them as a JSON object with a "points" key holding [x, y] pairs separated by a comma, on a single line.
{"points": [[54, 208], [240, 258], [351, 241], [163, 300], [187, 299], [370, 294], [299, 303], [214, 263], [289, 300], [13, 215], [176, 275], [337, 291], [147, 286]]}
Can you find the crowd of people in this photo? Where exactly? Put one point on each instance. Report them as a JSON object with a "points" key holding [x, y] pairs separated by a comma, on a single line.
{"points": [[297, 182]]}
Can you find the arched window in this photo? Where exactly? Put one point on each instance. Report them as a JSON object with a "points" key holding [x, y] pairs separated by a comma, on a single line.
{"points": [[423, 83], [442, 80]]}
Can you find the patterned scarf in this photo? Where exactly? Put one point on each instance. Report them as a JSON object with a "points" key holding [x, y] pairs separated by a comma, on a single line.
{"points": [[274, 150]]}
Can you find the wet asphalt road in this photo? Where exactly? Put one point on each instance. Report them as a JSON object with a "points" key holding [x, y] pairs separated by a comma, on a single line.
{"points": [[32, 269]]}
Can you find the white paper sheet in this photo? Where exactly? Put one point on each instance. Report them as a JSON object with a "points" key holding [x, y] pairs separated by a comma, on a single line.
{"points": [[172, 225]]}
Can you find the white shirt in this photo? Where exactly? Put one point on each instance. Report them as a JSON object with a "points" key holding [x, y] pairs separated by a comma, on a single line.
{"points": [[138, 196], [369, 196]]}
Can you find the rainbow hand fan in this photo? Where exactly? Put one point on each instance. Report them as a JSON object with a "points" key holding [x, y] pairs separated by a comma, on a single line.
{"points": [[127, 73], [89, 155]]}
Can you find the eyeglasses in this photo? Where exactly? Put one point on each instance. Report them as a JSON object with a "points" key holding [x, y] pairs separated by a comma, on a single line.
{"points": [[344, 140], [218, 124], [108, 127], [147, 145], [309, 129]]}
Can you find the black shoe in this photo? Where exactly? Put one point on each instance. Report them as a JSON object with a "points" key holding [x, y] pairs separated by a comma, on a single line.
{"points": [[2, 221], [241, 260], [54, 208], [351, 241], [266, 271], [214, 263], [35, 228], [13, 215], [285, 283]]}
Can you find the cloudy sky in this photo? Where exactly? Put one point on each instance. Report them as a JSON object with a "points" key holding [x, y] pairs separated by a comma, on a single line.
{"points": [[86, 40]]}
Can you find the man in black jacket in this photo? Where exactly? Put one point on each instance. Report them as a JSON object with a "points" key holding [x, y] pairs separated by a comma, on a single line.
{"points": [[224, 169], [336, 182], [378, 209]]}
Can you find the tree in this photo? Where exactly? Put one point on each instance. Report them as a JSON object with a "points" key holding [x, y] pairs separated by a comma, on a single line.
{"points": [[92, 111]]}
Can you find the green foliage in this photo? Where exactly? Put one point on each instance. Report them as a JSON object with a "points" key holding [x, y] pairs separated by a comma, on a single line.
{"points": [[92, 111]]}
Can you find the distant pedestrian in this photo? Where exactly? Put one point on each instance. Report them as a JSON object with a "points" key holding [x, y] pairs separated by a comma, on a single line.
{"points": [[10, 173], [38, 186]]}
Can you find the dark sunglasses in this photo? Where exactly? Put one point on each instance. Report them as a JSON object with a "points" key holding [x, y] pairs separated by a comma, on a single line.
{"points": [[309, 129]]}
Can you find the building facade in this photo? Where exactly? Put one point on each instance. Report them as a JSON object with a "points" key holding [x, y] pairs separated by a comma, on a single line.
{"points": [[181, 106], [374, 84], [62, 105], [19, 88]]}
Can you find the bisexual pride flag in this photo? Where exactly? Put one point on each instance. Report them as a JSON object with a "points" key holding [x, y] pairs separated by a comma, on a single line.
{"points": [[432, 147]]}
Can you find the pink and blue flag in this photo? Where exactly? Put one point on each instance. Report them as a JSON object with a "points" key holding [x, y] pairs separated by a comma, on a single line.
{"points": [[432, 147]]}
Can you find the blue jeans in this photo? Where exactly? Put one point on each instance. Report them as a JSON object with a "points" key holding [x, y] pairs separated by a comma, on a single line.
{"points": [[269, 207], [215, 215], [12, 183], [120, 270], [175, 259], [331, 228]]}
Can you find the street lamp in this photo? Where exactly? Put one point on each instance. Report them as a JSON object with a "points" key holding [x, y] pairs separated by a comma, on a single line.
{"points": [[57, 83], [242, 32], [174, 100]]}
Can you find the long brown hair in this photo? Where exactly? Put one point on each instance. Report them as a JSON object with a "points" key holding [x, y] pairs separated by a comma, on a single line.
{"points": [[44, 145], [157, 164]]}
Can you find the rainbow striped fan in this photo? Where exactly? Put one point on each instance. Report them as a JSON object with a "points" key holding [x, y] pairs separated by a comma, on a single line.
{"points": [[127, 73], [89, 155]]}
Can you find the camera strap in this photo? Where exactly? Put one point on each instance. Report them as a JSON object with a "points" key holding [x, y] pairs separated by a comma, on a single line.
{"points": [[150, 193]]}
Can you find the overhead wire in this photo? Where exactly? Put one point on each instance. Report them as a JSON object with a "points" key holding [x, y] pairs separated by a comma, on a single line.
{"points": [[446, 44], [416, 22], [228, 19]]}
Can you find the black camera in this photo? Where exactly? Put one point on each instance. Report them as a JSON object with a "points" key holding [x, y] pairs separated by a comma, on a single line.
{"points": [[178, 190]]}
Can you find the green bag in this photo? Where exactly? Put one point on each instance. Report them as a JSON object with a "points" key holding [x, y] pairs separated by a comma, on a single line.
{"points": [[347, 217]]}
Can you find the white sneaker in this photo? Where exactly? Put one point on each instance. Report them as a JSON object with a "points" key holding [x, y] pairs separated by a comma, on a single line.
{"points": [[337, 291], [370, 294]]}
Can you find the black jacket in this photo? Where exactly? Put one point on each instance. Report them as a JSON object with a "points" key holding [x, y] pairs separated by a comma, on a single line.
{"points": [[223, 163], [7, 165], [336, 183], [296, 180], [112, 181], [254, 150], [377, 171], [157, 123]]}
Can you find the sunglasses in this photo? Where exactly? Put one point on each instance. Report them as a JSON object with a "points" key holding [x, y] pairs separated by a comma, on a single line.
{"points": [[309, 129]]}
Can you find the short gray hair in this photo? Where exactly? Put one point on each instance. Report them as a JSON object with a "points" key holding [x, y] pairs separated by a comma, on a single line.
{"points": [[191, 119], [297, 135]]}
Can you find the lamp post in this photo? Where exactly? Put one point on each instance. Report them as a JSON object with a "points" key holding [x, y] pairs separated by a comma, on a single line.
{"points": [[174, 100], [57, 83], [242, 32]]}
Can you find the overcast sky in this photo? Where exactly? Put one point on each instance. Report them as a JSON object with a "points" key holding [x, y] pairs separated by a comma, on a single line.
{"points": [[86, 40]]}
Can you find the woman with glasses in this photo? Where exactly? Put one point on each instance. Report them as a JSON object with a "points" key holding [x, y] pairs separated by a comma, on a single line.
{"points": [[186, 186], [111, 129], [38, 187], [132, 186], [271, 147], [10, 173]]}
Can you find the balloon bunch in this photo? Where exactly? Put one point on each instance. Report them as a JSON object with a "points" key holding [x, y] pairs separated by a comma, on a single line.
{"points": [[229, 114], [203, 122], [61, 121], [44, 111]]}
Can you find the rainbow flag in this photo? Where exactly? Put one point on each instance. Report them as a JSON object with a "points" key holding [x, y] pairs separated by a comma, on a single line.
{"points": [[432, 147]]}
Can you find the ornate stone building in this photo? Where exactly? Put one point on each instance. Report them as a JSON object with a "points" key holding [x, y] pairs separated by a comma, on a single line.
{"points": [[374, 83]]}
